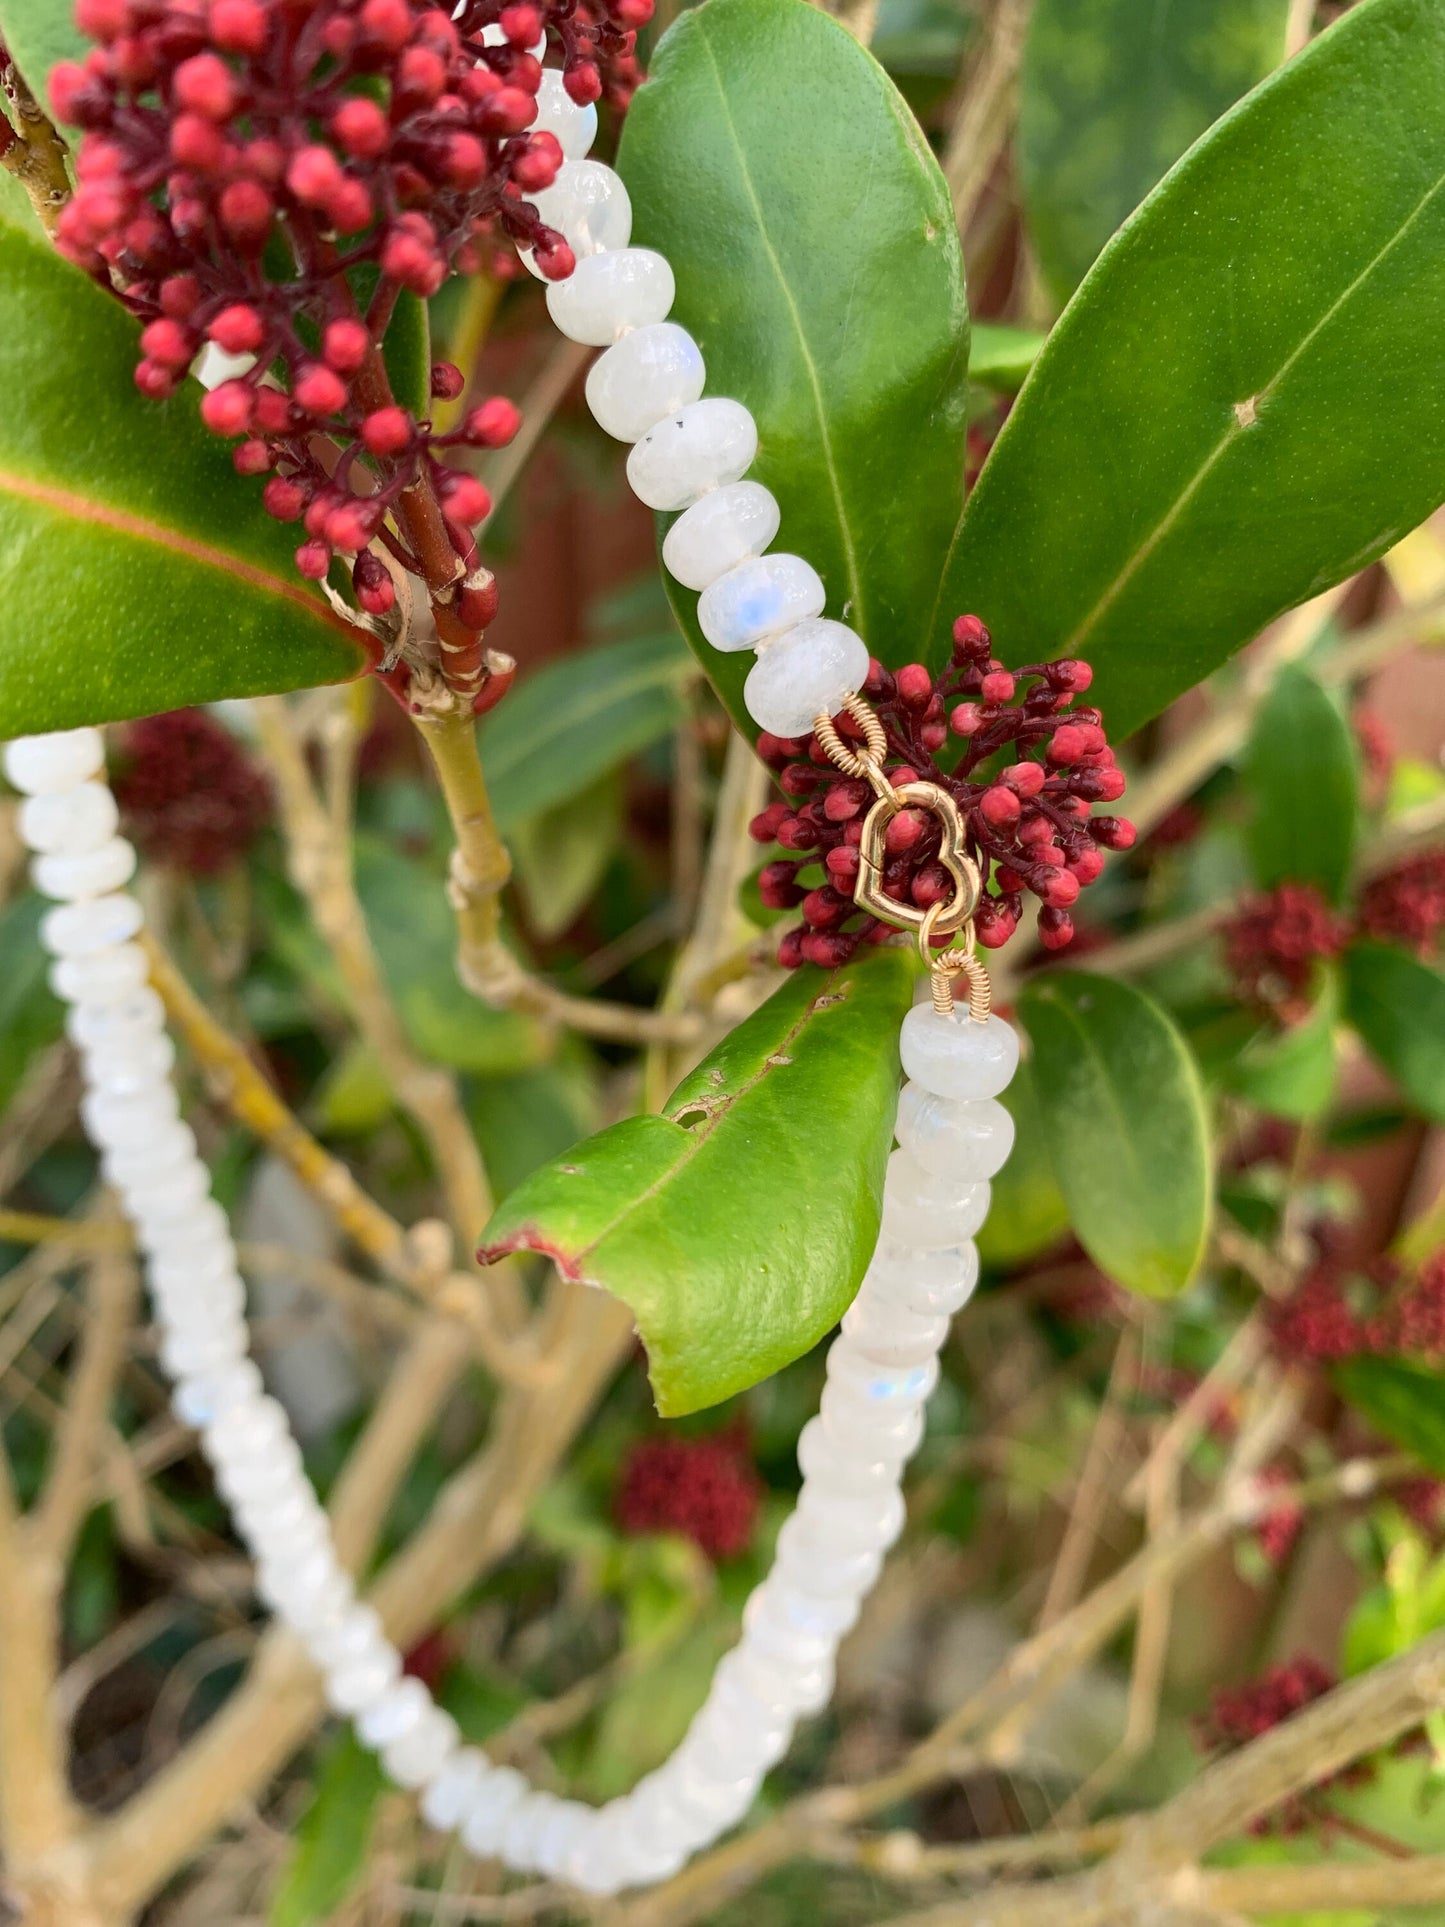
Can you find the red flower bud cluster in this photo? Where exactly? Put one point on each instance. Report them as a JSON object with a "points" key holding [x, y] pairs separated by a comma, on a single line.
{"points": [[1027, 823], [1274, 941], [269, 175], [1380, 1310], [1407, 905], [190, 795], [706, 1489], [1240, 1714], [1277, 1530]]}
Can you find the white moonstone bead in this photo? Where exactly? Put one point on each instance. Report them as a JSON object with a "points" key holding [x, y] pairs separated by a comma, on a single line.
{"points": [[822, 1464], [715, 534], [891, 1335], [868, 1524], [100, 977], [647, 374], [445, 1801], [491, 1801], [131, 1163], [930, 1283], [92, 1024], [148, 1053], [78, 927], [968, 1138], [812, 1563], [810, 671], [759, 598], [558, 1839], [702, 446], [84, 873], [57, 761], [418, 1754], [69, 820], [206, 1396], [924, 1212], [112, 1118], [573, 127], [352, 1635], [954, 1056], [596, 1864], [402, 1709], [522, 1829], [608, 294], [360, 1684], [588, 205]]}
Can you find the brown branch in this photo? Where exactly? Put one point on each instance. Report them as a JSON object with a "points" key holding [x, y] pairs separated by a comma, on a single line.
{"points": [[81, 1445], [36, 155], [980, 128]]}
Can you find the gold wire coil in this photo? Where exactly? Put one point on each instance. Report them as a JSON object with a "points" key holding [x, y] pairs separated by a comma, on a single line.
{"points": [[853, 763], [945, 965]]}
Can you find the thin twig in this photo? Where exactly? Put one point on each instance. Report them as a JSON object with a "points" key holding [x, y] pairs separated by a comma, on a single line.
{"points": [[981, 126], [36, 154], [79, 1445]]}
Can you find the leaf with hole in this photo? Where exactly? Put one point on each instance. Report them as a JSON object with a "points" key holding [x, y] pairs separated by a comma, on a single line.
{"points": [[1110, 96], [1124, 1118], [1242, 404], [1397, 1004], [738, 1224], [818, 266], [138, 571]]}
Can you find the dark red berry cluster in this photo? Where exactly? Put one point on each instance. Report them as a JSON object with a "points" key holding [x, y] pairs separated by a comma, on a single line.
{"points": [[269, 175], [1407, 905], [1277, 1531], [1240, 1714], [190, 795], [1274, 941], [1380, 1309], [1027, 821], [706, 1489]]}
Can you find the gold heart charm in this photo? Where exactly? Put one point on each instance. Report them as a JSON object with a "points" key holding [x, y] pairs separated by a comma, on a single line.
{"points": [[944, 919]]}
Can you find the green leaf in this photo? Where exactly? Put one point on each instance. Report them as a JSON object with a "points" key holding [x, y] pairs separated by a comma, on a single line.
{"points": [[560, 855], [1001, 357], [1026, 1212], [818, 266], [333, 1838], [523, 1120], [738, 1224], [138, 571], [1241, 405], [1397, 1004], [1110, 96], [1404, 1402], [1291, 1073], [1301, 772], [1124, 1119], [37, 34], [415, 938], [577, 719], [31, 1015]]}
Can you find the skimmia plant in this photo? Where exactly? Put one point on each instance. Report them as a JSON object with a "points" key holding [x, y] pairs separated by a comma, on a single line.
{"points": [[1088, 359]]}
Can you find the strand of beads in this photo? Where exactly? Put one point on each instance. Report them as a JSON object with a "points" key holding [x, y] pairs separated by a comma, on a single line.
{"points": [[688, 453], [880, 1371]]}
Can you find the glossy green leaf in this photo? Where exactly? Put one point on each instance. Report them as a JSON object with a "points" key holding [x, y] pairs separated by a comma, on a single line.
{"points": [[1001, 357], [1242, 403], [37, 34], [1026, 1212], [138, 571], [1123, 1115], [1111, 94], [1301, 773], [1397, 1004], [738, 1224], [818, 266], [575, 720], [1291, 1073], [333, 1838], [1405, 1402], [414, 933]]}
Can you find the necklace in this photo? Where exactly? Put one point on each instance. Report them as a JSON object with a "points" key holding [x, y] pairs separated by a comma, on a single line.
{"points": [[689, 454]]}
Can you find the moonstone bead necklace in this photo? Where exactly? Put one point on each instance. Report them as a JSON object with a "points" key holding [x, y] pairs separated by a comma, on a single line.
{"points": [[689, 453]]}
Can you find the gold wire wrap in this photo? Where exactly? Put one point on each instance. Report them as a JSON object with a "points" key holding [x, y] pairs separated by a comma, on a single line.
{"points": [[939, 919]]}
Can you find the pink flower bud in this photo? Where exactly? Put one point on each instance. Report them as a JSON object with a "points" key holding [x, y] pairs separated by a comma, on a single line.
{"points": [[103, 20], [536, 164], [314, 175], [1067, 745], [246, 211], [387, 23], [361, 128], [420, 76], [349, 207], [447, 380], [387, 431], [966, 719], [375, 590], [313, 559], [915, 685], [522, 25], [319, 390], [903, 832], [283, 498], [997, 687], [582, 82], [206, 86], [196, 143], [227, 410], [493, 424], [971, 639], [1061, 889], [169, 343], [999, 807], [239, 330], [251, 458], [155, 382], [1056, 928], [238, 26], [556, 261], [1114, 832], [273, 411], [466, 499]]}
